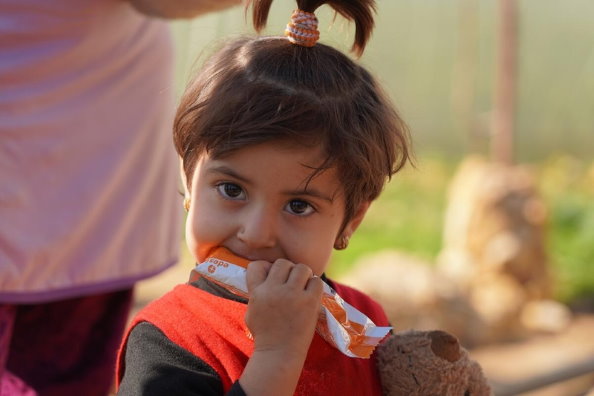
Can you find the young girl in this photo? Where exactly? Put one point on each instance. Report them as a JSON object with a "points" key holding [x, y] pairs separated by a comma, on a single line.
{"points": [[284, 143]]}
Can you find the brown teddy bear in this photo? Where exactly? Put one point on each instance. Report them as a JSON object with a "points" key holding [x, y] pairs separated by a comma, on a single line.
{"points": [[428, 363]]}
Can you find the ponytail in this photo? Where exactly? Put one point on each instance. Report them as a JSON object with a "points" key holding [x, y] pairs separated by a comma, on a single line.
{"points": [[358, 11]]}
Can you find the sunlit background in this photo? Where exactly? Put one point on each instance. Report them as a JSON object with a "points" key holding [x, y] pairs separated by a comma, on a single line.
{"points": [[438, 62]]}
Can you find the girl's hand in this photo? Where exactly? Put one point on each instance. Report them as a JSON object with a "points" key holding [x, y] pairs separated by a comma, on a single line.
{"points": [[284, 305], [283, 309]]}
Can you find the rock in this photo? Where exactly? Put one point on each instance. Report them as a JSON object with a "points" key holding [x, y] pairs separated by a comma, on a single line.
{"points": [[495, 222], [494, 245]]}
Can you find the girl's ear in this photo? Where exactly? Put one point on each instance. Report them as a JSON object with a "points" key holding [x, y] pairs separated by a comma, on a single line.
{"points": [[184, 183], [354, 222], [182, 175]]}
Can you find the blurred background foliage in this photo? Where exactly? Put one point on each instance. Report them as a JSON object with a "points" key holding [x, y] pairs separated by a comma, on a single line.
{"points": [[436, 60]]}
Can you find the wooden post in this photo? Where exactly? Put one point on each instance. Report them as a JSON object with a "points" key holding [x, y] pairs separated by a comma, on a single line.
{"points": [[505, 83], [465, 73]]}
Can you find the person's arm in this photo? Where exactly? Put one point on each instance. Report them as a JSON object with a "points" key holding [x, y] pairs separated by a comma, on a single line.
{"points": [[175, 9], [156, 366], [283, 308]]}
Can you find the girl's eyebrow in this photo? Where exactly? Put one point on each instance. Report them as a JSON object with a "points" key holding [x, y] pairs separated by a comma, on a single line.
{"points": [[229, 172], [310, 192]]}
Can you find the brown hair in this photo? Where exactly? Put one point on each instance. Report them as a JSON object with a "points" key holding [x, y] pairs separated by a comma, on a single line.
{"points": [[255, 90]]}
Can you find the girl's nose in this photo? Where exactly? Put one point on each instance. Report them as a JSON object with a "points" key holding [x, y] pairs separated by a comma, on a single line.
{"points": [[258, 227]]}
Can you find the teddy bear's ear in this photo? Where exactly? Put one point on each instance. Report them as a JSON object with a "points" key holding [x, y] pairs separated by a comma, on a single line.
{"points": [[445, 345]]}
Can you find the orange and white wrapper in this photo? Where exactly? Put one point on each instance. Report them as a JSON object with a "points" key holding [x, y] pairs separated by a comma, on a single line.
{"points": [[339, 323]]}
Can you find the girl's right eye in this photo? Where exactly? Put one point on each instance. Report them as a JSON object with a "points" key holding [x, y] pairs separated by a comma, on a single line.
{"points": [[230, 191]]}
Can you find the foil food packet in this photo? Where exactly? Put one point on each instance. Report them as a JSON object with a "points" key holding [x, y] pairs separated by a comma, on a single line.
{"points": [[339, 323]]}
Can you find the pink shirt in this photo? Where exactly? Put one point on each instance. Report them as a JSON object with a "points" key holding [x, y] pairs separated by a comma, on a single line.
{"points": [[88, 175]]}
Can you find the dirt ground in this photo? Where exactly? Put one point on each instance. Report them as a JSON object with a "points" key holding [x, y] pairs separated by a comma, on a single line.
{"points": [[507, 366]]}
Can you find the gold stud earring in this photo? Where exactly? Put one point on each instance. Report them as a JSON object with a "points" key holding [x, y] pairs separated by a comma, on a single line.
{"points": [[187, 204], [342, 243]]}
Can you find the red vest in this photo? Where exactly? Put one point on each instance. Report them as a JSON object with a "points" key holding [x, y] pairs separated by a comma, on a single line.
{"points": [[213, 329]]}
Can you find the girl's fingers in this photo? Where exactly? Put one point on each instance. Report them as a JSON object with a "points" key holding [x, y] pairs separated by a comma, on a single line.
{"points": [[257, 272], [299, 276], [315, 285], [280, 270]]}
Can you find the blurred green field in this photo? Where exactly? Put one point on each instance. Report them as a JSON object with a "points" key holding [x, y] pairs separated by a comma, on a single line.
{"points": [[409, 217]]}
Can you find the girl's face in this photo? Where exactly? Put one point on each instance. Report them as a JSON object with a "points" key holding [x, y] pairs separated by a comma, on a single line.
{"points": [[257, 202]]}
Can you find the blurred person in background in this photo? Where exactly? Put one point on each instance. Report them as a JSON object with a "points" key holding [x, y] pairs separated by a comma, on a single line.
{"points": [[89, 199]]}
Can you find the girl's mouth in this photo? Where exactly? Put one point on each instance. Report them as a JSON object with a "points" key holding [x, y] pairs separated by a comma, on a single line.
{"points": [[212, 251]]}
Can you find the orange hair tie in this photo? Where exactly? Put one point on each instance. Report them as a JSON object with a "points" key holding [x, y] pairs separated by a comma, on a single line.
{"points": [[303, 29]]}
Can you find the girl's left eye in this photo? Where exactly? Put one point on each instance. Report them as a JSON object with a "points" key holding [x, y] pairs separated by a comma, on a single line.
{"points": [[230, 191], [299, 207]]}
